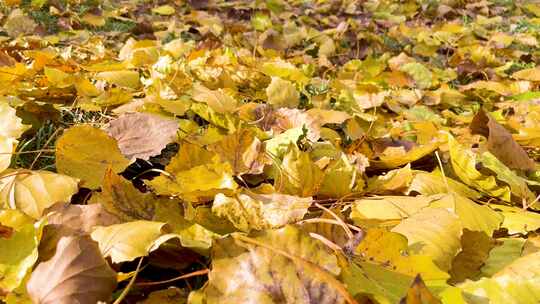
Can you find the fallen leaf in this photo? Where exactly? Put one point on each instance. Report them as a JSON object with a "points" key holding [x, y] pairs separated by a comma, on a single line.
{"points": [[34, 191], [500, 142], [142, 135], [86, 152], [76, 273]]}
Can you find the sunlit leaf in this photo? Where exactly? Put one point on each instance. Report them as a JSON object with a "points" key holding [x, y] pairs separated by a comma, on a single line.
{"points": [[141, 135], [434, 232], [298, 174], [288, 266], [128, 241], [86, 152], [265, 211], [34, 191], [18, 249]]}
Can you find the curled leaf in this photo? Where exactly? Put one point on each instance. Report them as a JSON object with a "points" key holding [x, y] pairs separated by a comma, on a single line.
{"points": [[77, 273]]}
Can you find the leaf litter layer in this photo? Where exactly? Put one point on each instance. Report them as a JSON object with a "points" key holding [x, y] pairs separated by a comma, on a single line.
{"points": [[269, 151]]}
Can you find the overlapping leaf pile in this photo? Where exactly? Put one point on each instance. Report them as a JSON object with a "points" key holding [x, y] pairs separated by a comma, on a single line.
{"points": [[269, 151]]}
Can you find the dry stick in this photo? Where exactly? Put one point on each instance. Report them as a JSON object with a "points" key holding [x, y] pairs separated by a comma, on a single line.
{"points": [[21, 172], [184, 276], [130, 284], [442, 171], [330, 279], [326, 241], [342, 223], [28, 152], [329, 221]]}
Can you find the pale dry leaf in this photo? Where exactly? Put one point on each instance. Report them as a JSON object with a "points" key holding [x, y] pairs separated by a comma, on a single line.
{"points": [[142, 135], [77, 273]]}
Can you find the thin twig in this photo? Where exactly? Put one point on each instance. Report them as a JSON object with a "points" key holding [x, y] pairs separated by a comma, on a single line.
{"points": [[45, 145], [130, 284], [184, 276], [343, 224]]}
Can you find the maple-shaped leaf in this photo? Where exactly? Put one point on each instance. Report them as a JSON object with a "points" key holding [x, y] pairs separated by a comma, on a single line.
{"points": [[77, 273], [34, 191], [86, 152], [287, 266], [142, 135]]}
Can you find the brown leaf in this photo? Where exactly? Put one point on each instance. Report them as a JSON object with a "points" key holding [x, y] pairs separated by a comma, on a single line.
{"points": [[119, 197], [71, 220], [77, 273], [419, 294], [142, 135], [500, 142]]}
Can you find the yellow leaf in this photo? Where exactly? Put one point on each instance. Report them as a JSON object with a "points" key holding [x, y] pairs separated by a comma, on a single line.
{"points": [[282, 93], [125, 78], [86, 152], [128, 241], [298, 174], [34, 191], [532, 74], [434, 232], [165, 10], [93, 20]]}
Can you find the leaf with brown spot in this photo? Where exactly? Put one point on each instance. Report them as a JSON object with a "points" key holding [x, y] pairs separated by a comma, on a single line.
{"points": [[273, 270], [500, 142], [120, 197], [243, 151]]}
